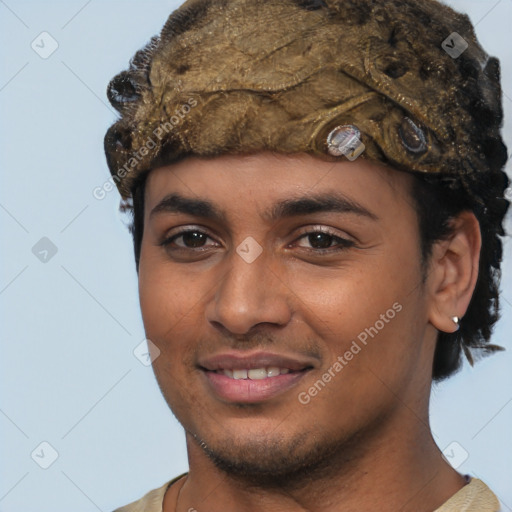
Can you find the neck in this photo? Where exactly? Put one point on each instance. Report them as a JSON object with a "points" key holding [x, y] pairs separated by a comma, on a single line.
{"points": [[395, 467]]}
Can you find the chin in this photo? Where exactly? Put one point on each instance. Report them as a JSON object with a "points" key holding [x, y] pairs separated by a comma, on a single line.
{"points": [[274, 460]]}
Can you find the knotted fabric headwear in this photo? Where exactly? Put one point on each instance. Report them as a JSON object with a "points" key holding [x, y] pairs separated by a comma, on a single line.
{"points": [[406, 80]]}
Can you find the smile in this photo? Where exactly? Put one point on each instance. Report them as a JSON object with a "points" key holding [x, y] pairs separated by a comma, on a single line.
{"points": [[252, 376]]}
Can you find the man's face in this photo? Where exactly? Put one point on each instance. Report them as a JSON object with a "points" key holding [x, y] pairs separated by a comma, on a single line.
{"points": [[323, 303]]}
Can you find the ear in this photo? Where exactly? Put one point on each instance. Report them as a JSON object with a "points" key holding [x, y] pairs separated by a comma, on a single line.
{"points": [[453, 272]]}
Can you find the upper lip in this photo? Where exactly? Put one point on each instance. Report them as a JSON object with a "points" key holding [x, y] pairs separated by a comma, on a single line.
{"points": [[239, 360]]}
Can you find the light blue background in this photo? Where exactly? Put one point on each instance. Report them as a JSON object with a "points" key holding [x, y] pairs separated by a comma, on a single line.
{"points": [[69, 326]]}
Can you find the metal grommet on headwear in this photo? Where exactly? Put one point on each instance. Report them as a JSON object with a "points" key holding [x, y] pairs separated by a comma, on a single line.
{"points": [[413, 137], [345, 140]]}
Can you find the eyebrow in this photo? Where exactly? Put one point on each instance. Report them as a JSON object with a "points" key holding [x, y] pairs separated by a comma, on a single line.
{"points": [[325, 202]]}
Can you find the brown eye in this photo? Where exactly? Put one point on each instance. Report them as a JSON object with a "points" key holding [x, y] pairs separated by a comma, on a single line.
{"points": [[191, 239], [321, 241]]}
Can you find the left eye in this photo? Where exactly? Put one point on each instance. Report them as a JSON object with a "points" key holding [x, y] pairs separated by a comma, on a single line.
{"points": [[324, 240]]}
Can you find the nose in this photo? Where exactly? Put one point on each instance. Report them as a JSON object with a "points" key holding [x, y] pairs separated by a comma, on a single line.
{"points": [[249, 294]]}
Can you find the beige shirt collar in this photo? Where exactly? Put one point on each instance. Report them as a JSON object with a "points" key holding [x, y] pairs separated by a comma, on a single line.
{"points": [[473, 497]]}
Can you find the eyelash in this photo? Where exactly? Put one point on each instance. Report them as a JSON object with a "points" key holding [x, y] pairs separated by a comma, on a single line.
{"points": [[343, 242]]}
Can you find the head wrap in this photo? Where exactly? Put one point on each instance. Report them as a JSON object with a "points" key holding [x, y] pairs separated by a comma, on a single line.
{"points": [[400, 82]]}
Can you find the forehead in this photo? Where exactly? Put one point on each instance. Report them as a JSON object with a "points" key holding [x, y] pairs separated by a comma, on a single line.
{"points": [[240, 182]]}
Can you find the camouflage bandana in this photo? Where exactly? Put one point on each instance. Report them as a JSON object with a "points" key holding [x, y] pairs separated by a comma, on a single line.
{"points": [[400, 82]]}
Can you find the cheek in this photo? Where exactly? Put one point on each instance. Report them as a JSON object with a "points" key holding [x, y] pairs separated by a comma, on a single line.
{"points": [[169, 311], [172, 303], [165, 300], [343, 301], [366, 313]]}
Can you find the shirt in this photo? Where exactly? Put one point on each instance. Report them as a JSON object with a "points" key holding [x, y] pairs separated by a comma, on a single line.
{"points": [[473, 497]]}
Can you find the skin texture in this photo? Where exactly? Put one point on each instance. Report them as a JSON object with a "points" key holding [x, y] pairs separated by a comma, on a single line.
{"points": [[363, 442]]}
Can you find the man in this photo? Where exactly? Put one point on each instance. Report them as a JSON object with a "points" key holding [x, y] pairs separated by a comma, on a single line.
{"points": [[317, 196]]}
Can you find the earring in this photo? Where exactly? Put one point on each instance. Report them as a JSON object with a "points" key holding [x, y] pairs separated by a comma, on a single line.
{"points": [[456, 321]]}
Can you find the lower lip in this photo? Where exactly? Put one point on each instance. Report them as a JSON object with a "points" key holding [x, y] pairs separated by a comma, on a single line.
{"points": [[251, 391]]}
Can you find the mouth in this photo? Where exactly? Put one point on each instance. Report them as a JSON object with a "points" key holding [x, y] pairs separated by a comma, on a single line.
{"points": [[239, 378]]}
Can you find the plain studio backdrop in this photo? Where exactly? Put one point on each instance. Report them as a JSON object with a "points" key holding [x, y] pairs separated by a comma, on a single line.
{"points": [[82, 421]]}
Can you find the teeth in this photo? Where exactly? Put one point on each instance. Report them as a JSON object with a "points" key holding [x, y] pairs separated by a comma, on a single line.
{"points": [[255, 373], [274, 370]]}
